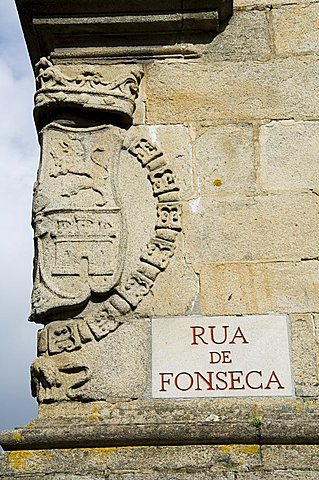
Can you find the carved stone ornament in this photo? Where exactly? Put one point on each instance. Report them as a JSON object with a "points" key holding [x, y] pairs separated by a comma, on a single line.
{"points": [[155, 255], [87, 278], [86, 88], [80, 229], [56, 376], [81, 239]]}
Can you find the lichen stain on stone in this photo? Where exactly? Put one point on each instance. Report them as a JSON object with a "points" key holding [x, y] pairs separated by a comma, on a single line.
{"points": [[95, 414], [30, 426], [217, 182], [26, 460], [245, 449], [19, 460], [311, 405], [307, 405], [187, 417], [99, 452], [102, 453]]}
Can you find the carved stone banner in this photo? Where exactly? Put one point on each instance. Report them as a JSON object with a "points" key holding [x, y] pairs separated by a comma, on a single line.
{"points": [[160, 248]]}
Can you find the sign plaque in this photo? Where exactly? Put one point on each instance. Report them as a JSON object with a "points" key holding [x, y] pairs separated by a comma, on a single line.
{"points": [[246, 356]]}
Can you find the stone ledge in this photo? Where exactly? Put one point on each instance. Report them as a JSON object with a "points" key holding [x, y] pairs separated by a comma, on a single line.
{"points": [[52, 25], [191, 462], [170, 422]]}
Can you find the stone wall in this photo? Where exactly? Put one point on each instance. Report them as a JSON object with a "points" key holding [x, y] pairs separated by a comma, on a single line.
{"points": [[237, 119], [227, 462], [250, 107]]}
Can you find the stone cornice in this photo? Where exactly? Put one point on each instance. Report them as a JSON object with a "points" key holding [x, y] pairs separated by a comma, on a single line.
{"points": [[170, 422], [52, 26]]}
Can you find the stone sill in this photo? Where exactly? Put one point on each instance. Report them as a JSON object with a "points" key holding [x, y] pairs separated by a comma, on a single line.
{"points": [[170, 422], [53, 25]]}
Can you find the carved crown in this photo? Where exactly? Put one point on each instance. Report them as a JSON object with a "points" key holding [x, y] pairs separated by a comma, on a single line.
{"points": [[86, 89]]}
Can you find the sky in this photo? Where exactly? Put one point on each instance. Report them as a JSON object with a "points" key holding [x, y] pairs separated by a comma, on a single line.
{"points": [[19, 155]]}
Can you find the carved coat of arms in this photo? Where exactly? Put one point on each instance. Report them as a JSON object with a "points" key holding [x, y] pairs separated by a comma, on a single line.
{"points": [[79, 227], [89, 272]]}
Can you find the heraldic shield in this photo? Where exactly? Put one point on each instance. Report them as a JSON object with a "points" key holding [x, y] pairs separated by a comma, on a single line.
{"points": [[80, 238]]}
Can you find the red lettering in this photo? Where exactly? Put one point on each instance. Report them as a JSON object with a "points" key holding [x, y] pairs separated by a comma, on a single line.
{"points": [[258, 372], [226, 356], [168, 381], [234, 379], [199, 335], [208, 382], [276, 380], [191, 381], [222, 357], [218, 374], [212, 334], [239, 334], [215, 354]]}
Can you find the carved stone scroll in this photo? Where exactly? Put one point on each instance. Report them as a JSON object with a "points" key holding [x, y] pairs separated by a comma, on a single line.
{"points": [[156, 254], [57, 376], [51, 382]]}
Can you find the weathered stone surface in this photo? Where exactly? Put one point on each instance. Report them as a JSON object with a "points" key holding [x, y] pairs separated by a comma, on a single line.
{"points": [[77, 477], [83, 359], [238, 4], [88, 233], [241, 229], [296, 29], [289, 155], [257, 475], [291, 457], [305, 353], [77, 217], [168, 296], [140, 207], [173, 476], [95, 31], [249, 232], [169, 422], [173, 459], [135, 188], [130, 476], [190, 462], [176, 144], [279, 474], [59, 476], [225, 159], [108, 93], [245, 37], [241, 91], [258, 288]]}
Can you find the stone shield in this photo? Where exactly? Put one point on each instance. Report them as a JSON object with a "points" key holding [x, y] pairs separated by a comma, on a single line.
{"points": [[80, 236]]}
